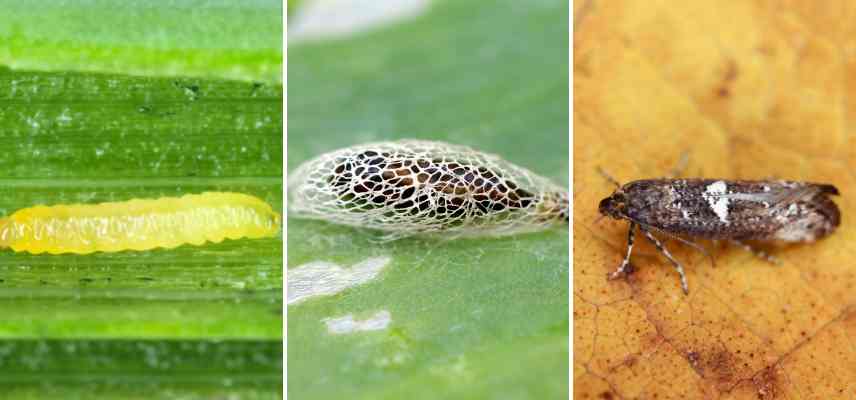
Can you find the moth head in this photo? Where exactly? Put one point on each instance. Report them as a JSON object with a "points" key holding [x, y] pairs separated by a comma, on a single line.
{"points": [[614, 205]]}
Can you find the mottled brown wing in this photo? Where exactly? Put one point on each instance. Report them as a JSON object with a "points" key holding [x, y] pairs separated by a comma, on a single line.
{"points": [[797, 211], [756, 209], [783, 196]]}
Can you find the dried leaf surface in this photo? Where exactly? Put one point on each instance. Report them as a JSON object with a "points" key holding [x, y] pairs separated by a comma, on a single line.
{"points": [[748, 90]]}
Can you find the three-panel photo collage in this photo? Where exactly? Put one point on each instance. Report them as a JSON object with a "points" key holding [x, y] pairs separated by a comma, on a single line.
{"points": [[427, 199]]}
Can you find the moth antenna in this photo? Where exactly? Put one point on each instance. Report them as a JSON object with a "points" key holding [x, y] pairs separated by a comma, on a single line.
{"points": [[608, 177], [681, 166]]}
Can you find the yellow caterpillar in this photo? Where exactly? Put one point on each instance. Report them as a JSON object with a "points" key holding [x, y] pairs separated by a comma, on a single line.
{"points": [[138, 224]]}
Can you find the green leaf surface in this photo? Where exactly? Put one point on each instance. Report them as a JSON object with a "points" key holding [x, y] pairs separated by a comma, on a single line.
{"points": [[477, 318], [195, 322], [79, 138], [127, 369], [239, 40], [292, 5]]}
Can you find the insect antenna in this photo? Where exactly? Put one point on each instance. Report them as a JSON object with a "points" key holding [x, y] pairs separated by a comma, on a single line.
{"points": [[681, 166], [608, 177]]}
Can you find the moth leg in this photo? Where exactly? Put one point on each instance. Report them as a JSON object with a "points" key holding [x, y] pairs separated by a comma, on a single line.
{"points": [[758, 253], [690, 243], [626, 262], [668, 255]]}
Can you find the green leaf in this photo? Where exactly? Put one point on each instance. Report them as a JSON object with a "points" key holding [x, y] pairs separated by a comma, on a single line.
{"points": [[292, 5], [125, 369], [478, 318], [77, 126], [205, 38], [78, 138]]}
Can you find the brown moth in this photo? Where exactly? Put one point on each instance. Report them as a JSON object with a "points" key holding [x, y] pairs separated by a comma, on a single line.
{"points": [[735, 210]]}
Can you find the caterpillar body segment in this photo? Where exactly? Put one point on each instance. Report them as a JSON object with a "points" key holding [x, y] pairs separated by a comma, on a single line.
{"points": [[139, 224], [412, 187]]}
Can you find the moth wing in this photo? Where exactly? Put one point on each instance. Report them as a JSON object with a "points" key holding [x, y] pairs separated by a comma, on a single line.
{"points": [[783, 196], [827, 188]]}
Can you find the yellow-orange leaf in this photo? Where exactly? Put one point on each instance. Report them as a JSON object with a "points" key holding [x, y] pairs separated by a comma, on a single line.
{"points": [[747, 90]]}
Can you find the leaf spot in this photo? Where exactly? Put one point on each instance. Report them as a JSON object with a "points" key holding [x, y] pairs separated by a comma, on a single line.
{"points": [[321, 278], [347, 324]]}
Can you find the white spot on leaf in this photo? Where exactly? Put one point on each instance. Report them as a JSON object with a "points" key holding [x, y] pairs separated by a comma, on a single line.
{"points": [[323, 278], [332, 18], [347, 324]]}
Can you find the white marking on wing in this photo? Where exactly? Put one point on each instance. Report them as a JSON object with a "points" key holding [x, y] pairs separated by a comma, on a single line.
{"points": [[718, 187], [754, 197], [793, 209], [718, 203]]}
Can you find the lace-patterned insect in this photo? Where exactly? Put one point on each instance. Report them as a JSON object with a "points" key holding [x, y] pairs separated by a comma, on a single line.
{"points": [[734, 210], [412, 187]]}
